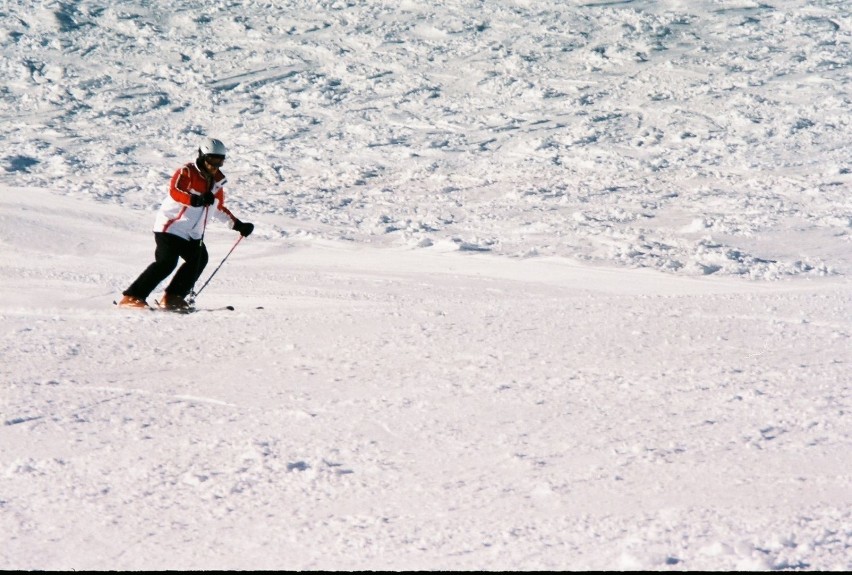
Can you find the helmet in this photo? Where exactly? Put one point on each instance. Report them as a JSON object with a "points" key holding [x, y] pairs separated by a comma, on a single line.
{"points": [[212, 147]]}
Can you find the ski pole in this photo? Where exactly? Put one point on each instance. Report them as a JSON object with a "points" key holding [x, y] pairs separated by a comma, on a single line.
{"points": [[236, 243], [198, 260]]}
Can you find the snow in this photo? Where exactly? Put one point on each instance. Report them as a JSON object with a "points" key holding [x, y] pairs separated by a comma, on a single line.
{"points": [[534, 286]]}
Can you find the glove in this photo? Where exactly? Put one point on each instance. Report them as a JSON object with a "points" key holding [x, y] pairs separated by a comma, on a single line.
{"points": [[244, 228], [205, 199]]}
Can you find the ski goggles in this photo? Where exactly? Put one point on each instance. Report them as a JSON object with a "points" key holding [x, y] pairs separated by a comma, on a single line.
{"points": [[214, 160]]}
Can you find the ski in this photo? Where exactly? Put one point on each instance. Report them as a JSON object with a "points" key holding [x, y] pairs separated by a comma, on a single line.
{"points": [[191, 310], [146, 308], [198, 309], [184, 311]]}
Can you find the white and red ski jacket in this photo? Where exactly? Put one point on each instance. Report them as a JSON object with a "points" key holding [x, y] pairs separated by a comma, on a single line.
{"points": [[177, 216]]}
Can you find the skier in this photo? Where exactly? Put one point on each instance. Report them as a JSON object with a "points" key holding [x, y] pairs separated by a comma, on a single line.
{"points": [[195, 195]]}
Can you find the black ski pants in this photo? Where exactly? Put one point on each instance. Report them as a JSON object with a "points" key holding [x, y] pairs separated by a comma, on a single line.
{"points": [[169, 249]]}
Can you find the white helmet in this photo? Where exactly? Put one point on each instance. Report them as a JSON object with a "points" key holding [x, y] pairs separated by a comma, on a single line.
{"points": [[212, 147]]}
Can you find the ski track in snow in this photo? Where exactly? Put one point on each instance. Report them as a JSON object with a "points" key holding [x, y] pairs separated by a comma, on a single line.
{"points": [[454, 366]]}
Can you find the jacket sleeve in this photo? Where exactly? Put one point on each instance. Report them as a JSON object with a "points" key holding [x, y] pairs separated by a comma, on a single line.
{"points": [[179, 186], [222, 213]]}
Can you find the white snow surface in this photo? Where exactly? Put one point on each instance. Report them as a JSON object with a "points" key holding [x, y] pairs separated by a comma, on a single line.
{"points": [[534, 285]]}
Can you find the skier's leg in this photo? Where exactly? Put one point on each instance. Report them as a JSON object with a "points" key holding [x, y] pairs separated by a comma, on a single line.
{"points": [[165, 260], [195, 258]]}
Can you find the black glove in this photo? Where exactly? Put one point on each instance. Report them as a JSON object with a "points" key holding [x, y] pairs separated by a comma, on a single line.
{"points": [[205, 199], [244, 228]]}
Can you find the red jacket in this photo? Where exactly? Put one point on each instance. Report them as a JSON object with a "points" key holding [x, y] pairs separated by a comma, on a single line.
{"points": [[177, 216]]}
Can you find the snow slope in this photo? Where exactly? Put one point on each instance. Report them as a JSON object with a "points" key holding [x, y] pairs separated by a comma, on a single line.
{"points": [[700, 137], [534, 285]]}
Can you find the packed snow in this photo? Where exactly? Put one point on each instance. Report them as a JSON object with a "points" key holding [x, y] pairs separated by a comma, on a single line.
{"points": [[534, 285]]}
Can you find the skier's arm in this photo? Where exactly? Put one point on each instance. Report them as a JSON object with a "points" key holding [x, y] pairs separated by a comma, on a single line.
{"points": [[224, 214], [179, 187]]}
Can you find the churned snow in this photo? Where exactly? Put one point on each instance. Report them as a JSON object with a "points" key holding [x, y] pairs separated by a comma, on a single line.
{"points": [[556, 285]]}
